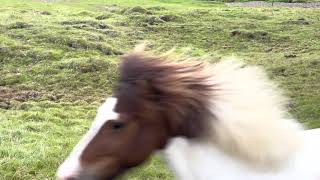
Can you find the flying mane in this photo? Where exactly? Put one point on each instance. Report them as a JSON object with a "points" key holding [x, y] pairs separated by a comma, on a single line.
{"points": [[234, 107]]}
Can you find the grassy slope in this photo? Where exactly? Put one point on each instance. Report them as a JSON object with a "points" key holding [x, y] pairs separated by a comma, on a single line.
{"points": [[58, 61]]}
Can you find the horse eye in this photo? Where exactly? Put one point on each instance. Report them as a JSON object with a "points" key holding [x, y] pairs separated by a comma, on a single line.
{"points": [[118, 125]]}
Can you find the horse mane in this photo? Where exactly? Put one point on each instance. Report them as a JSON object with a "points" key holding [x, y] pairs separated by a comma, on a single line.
{"points": [[252, 119], [234, 107]]}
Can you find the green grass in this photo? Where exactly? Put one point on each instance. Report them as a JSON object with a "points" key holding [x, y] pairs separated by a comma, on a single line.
{"points": [[58, 61]]}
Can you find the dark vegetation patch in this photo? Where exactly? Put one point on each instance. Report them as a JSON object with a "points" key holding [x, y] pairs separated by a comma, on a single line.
{"points": [[157, 8], [198, 12], [112, 33], [280, 71], [84, 44], [85, 65], [46, 13], [153, 20], [19, 25], [8, 94], [169, 17], [299, 21], [104, 16], [137, 9], [26, 55], [84, 13], [254, 35], [315, 63], [4, 105], [80, 24], [88, 42], [145, 20], [114, 9], [290, 55]]}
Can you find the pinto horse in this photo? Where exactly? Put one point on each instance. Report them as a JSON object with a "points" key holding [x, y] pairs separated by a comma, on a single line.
{"points": [[225, 121]]}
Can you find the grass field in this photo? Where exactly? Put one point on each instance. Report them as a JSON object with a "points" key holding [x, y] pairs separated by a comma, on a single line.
{"points": [[58, 62]]}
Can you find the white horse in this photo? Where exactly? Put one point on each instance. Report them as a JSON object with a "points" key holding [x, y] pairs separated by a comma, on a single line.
{"points": [[224, 121]]}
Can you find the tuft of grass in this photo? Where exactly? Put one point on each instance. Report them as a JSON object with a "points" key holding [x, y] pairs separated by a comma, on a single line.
{"points": [[59, 59]]}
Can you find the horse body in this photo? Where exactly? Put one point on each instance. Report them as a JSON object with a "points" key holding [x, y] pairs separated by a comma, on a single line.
{"points": [[201, 161]]}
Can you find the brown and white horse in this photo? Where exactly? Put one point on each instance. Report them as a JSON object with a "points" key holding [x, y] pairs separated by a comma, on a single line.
{"points": [[224, 121]]}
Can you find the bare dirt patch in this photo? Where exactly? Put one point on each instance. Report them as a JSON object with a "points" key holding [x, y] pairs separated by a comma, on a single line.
{"points": [[8, 94]]}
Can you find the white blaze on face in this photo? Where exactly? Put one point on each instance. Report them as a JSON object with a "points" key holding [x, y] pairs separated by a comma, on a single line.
{"points": [[71, 167]]}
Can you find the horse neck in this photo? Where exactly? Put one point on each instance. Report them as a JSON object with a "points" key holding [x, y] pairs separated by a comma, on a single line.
{"points": [[191, 160]]}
